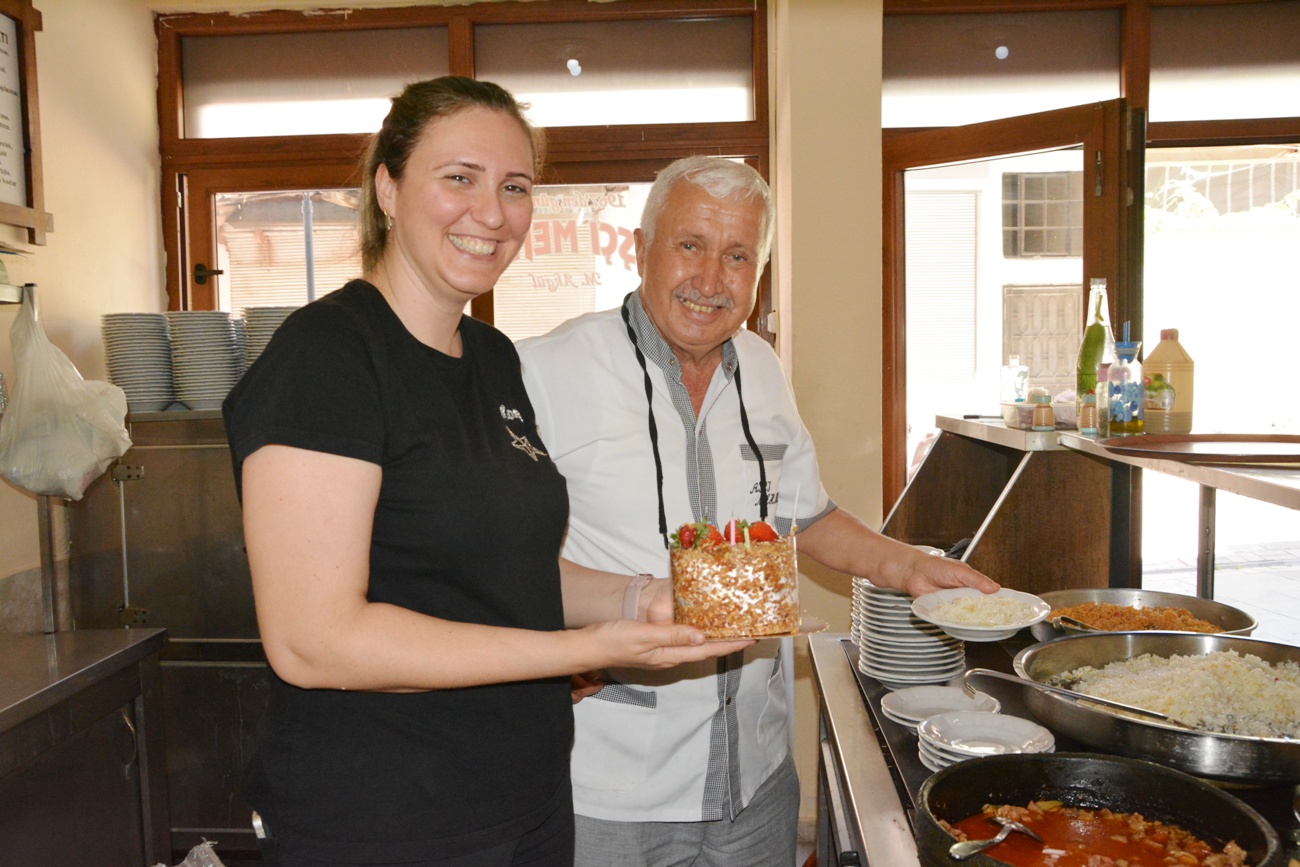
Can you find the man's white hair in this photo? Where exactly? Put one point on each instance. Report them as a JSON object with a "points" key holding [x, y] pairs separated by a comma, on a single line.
{"points": [[721, 178]]}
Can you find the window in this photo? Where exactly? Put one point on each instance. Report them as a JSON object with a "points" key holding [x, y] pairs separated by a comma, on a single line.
{"points": [[1042, 214], [263, 119], [953, 69]]}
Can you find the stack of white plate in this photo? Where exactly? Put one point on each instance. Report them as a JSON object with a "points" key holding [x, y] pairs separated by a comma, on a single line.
{"points": [[895, 646], [138, 350], [955, 736], [207, 358], [909, 706], [261, 323]]}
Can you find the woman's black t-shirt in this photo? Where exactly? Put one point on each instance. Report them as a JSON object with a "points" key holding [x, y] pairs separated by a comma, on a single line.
{"points": [[468, 527]]}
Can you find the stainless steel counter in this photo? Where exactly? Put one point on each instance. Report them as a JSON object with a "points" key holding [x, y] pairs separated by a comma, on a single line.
{"points": [[862, 820], [40, 671], [869, 774], [82, 777]]}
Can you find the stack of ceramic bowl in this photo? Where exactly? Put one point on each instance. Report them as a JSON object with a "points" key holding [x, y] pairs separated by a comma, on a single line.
{"points": [[138, 350], [261, 323], [955, 736], [895, 646], [207, 357]]}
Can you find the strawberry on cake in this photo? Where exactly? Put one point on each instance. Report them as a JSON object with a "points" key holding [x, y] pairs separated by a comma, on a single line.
{"points": [[738, 582]]}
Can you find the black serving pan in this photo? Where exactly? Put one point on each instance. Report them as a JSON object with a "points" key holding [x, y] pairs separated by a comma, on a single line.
{"points": [[1091, 781]]}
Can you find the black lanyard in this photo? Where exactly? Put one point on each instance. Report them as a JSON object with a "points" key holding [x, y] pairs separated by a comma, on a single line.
{"points": [[654, 433]]}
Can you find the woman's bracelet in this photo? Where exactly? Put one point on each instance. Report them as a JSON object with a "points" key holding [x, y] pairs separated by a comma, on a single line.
{"points": [[632, 595]]}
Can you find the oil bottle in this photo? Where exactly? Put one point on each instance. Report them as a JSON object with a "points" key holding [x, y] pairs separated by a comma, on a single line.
{"points": [[1097, 347], [1168, 370]]}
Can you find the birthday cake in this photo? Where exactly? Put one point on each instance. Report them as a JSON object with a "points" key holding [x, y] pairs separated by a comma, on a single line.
{"points": [[739, 582]]}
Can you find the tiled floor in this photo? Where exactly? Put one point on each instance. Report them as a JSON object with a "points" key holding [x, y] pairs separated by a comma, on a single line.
{"points": [[1262, 579]]}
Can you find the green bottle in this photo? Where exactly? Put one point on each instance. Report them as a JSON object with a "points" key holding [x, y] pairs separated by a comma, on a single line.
{"points": [[1098, 346]]}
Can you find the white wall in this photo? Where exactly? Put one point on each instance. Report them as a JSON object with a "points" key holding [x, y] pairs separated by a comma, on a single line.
{"points": [[96, 63], [827, 171]]}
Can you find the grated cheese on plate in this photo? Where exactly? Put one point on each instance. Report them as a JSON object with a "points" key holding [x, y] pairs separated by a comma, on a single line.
{"points": [[983, 611]]}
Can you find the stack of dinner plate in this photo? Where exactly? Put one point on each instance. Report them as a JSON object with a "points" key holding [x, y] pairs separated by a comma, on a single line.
{"points": [[955, 736], [261, 323], [895, 646], [137, 347], [909, 706], [207, 356]]}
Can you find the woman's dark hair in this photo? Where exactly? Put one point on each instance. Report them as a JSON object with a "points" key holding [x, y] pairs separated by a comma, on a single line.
{"points": [[413, 110]]}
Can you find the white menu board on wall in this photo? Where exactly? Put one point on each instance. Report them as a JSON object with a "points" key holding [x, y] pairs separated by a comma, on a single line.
{"points": [[13, 172]]}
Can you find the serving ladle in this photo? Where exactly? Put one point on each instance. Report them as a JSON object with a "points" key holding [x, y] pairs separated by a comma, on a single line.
{"points": [[1071, 695], [962, 851]]}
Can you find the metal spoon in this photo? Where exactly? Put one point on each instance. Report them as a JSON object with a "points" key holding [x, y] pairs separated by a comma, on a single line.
{"points": [[964, 850], [1065, 622], [1072, 695]]}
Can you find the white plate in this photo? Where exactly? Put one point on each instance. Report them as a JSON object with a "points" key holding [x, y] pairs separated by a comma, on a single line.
{"points": [[898, 679], [932, 761], [977, 733], [924, 606], [919, 702]]}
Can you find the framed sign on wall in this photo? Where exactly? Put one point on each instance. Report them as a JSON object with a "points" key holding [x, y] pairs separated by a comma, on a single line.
{"points": [[22, 193]]}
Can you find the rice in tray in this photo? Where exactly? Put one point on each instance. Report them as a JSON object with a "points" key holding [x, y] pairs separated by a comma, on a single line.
{"points": [[983, 611], [1222, 692]]}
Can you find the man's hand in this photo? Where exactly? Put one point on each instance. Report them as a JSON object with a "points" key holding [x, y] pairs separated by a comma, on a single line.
{"points": [[585, 684]]}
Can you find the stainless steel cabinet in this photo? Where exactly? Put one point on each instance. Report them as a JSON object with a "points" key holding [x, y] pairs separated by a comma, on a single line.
{"points": [[158, 541]]}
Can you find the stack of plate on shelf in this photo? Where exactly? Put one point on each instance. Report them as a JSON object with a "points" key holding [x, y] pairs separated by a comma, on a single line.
{"points": [[138, 350], [895, 646], [955, 736], [261, 323], [207, 356]]}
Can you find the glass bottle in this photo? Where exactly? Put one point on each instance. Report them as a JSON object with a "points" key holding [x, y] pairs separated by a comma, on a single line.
{"points": [[1126, 391], [1015, 381], [1097, 347]]}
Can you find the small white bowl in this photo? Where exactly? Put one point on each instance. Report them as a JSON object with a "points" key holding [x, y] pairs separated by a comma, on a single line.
{"points": [[924, 606]]}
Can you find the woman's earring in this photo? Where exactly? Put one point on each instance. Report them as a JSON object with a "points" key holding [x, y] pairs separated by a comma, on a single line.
{"points": [[388, 221]]}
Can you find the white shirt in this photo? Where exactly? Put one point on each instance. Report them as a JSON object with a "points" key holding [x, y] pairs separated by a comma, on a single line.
{"points": [[692, 742]]}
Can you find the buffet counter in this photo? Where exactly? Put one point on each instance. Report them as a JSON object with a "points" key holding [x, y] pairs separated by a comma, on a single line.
{"points": [[869, 772]]}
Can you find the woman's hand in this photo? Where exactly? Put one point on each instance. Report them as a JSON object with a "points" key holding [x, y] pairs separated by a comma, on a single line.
{"points": [[631, 644]]}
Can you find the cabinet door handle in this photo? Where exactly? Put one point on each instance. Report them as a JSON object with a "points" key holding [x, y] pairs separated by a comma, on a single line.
{"points": [[135, 741]]}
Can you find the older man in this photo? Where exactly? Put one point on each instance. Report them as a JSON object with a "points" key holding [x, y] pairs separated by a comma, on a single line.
{"points": [[663, 412]]}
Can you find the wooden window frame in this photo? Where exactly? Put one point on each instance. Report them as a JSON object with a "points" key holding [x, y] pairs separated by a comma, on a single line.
{"points": [[583, 154], [1125, 260]]}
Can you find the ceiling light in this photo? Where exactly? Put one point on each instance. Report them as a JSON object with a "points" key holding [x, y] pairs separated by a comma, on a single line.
{"points": [[575, 68], [1001, 52]]}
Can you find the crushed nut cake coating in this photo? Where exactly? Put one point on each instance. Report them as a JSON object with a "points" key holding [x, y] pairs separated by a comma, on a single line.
{"points": [[737, 591]]}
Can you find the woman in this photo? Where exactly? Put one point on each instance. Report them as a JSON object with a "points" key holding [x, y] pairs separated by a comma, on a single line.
{"points": [[403, 524]]}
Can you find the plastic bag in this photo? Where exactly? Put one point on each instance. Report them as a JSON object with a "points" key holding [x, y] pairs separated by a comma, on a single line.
{"points": [[200, 856], [60, 432]]}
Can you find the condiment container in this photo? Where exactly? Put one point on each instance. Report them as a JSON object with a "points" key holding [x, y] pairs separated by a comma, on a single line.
{"points": [[1168, 372], [1126, 392]]}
